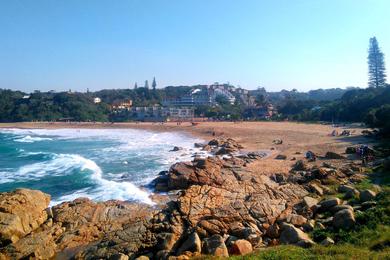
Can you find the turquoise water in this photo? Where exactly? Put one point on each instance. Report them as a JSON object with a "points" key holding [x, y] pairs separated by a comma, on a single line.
{"points": [[100, 164]]}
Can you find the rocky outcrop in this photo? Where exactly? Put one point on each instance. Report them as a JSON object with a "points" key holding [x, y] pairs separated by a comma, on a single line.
{"points": [[70, 226], [21, 212]]}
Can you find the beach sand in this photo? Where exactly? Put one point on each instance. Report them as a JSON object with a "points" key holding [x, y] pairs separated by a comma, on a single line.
{"points": [[254, 136]]}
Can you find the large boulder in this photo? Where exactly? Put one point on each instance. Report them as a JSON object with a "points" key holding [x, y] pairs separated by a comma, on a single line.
{"points": [[293, 235], [329, 203], [344, 219], [367, 195], [215, 245], [21, 212], [192, 244], [310, 202], [241, 247]]}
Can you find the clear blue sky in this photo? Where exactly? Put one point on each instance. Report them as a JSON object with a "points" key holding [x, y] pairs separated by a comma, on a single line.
{"points": [[96, 44]]}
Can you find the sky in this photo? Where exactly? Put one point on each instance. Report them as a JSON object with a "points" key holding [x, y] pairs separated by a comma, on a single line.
{"points": [[102, 44]]}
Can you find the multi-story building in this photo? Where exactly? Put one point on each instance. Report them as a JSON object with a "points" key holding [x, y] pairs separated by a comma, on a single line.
{"points": [[203, 96], [158, 113]]}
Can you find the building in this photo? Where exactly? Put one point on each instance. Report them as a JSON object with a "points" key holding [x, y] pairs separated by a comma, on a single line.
{"points": [[97, 100], [123, 105], [203, 96], [159, 114]]}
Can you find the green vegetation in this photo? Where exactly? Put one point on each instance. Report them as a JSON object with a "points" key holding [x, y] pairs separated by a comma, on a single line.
{"points": [[49, 106], [316, 252]]}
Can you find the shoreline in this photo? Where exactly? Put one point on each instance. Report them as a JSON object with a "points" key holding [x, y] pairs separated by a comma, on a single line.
{"points": [[253, 136], [242, 201]]}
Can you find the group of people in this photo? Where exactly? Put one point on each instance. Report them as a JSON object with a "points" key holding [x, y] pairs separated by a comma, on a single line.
{"points": [[364, 152]]}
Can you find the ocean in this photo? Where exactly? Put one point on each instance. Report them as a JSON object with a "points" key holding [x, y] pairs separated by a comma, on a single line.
{"points": [[100, 164]]}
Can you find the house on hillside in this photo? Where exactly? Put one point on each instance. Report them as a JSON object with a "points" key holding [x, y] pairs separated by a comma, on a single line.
{"points": [[122, 105]]}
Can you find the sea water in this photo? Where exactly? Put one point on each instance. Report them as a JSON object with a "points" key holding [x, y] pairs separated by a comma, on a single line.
{"points": [[100, 164]]}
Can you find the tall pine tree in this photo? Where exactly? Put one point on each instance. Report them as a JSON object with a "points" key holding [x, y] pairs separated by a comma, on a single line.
{"points": [[376, 65], [154, 84]]}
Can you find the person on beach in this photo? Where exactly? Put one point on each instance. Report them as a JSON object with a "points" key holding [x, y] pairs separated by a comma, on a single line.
{"points": [[310, 156]]}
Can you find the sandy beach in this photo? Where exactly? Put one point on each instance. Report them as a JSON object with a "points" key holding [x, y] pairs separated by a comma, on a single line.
{"points": [[297, 137]]}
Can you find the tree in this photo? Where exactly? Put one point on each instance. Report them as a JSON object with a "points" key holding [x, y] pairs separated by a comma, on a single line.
{"points": [[376, 65], [146, 84], [135, 86], [154, 84]]}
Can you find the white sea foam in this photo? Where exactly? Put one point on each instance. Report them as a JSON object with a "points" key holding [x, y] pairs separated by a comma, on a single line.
{"points": [[136, 147], [63, 164], [32, 139]]}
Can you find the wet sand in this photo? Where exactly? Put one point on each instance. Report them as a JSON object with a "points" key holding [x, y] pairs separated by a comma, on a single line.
{"points": [[297, 137]]}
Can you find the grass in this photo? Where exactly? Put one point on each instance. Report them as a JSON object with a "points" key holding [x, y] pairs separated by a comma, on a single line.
{"points": [[316, 252]]}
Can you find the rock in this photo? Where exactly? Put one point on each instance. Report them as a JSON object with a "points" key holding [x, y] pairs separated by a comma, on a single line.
{"points": [[351, 194], [207, 148], [345, 188], [192, 244], [310, 202], [176, 149], [241, 247], [297, 220], [333, 155], [367, 195], [21, 212], [326, 221], [215, 142], [281, 157], [121, 256], [166, 241], [198, 145], [273, 231], [162, 254], [309, 225], [319, 225], [344, 219], [277, 141], [40, 244], [279, 177], [226, 150], [300, 166], [293, 235], [230, 240], [327, 242], [351, 150], [368, 204], [215, 245], [340, 207], [328, 203], [142, 257], [316, 189]]}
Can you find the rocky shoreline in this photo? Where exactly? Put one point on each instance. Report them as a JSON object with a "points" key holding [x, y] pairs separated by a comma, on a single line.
{"points": [[221, 206]]}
